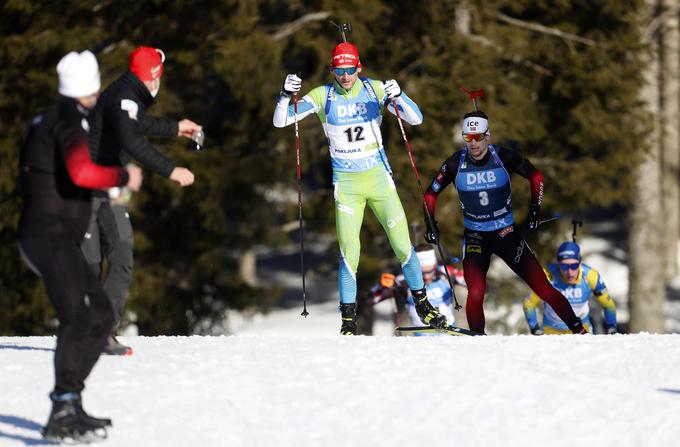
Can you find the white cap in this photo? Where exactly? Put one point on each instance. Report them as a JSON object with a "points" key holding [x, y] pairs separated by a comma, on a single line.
{"points": [[475, 124], [78, 74], [427, 257]]}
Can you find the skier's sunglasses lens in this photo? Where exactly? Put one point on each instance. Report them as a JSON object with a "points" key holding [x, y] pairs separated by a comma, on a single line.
{"points": [[341, 71], [473, 136], [564, 266]]}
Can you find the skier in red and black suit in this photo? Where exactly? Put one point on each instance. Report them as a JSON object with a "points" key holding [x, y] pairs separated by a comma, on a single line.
{"points": [[120, 125], [481, 174], [56, 178]]}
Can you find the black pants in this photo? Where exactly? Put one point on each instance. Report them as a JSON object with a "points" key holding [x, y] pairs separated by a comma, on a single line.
{"points": [[109, 235], [84, 311], [509, 244]]}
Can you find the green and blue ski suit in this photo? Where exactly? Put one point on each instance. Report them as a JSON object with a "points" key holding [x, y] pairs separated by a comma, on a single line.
{"points": [[361, 173]]}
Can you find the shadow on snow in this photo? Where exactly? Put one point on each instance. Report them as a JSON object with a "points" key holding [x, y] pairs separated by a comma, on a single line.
{"points": [[25, 424]]}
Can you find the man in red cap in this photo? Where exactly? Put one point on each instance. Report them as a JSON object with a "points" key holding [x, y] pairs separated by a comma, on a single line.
{"points": [[351, 114], [119, 126]]}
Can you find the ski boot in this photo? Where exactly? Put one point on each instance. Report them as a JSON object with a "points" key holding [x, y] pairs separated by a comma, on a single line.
{"points": [[427, 313], [91, 420], [68, 421], [114, 347], [349, 318], [578, 328]]}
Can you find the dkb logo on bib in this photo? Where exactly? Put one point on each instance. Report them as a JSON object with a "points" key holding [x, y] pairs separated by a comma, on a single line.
{"points": [[476, 178], [352, 109]]}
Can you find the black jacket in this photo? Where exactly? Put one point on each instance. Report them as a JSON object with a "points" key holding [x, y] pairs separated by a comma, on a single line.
{"points": [[54, 160], [119, 124]]}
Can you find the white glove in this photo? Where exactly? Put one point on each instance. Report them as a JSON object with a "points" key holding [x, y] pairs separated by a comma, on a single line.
{"points": [[392, 89], [292, 84]]}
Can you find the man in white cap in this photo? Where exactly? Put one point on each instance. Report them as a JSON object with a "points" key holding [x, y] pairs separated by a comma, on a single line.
{"points": [[481, 174], [120, 125], [437, 287], [56, 179]]}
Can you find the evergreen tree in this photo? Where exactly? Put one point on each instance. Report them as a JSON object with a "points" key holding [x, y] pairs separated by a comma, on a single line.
{"points": [[561, 78]]}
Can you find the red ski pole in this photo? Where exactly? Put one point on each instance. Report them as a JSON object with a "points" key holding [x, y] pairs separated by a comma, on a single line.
{"points": [[422, 194], [299, 186]]}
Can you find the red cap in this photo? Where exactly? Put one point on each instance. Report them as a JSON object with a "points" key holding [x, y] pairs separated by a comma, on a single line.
{"points": [[345, 54], [147, 63]]}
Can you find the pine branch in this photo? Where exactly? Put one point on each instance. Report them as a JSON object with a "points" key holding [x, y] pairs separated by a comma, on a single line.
{"points": [[462, 25], [656, 23], [548, 30], [294, 26], [485, 41]]}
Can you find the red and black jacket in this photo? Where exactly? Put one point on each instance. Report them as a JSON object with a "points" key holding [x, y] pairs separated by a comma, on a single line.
{"points": [[57, 174], [512, 161]]}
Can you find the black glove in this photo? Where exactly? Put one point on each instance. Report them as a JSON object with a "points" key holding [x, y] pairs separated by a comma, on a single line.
{"points": [[533, 220], [431, 231], [536, 330]]}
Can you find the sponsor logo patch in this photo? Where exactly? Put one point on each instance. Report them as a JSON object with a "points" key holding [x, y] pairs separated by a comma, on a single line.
{"points": [[474, 248], [130, 107], [520, 250], [500, 212], [345, 209], [473, 178], [155, 70], [391, 223], [505, 231], [352, 109]]}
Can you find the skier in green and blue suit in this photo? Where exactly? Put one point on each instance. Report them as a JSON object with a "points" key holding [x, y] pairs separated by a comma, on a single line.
{"points": [[350, 113]]}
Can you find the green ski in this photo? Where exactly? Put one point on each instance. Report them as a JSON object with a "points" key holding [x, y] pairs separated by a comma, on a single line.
{"points": [[450, 330]]}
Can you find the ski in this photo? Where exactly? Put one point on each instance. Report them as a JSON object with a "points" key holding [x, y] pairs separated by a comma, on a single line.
{"points": [[450, 330]]}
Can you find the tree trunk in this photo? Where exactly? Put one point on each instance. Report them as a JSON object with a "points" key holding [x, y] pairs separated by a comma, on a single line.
{"points": [[646, 295], [670, 147], [247, 266]]}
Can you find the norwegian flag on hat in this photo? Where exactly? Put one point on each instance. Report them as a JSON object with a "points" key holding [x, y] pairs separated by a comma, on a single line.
{"points": [[147, 63]]}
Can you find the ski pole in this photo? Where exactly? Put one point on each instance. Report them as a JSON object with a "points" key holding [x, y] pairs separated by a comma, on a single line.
{"points": [[299, 186], [549, 219], [415, 228], [430, 221], [576, 224]]}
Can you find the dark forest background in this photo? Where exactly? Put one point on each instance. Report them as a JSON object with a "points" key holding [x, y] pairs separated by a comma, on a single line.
{"points": [[563, 84]]}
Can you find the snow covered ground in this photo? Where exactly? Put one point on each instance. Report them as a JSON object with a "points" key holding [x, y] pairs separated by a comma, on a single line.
{"points": [[621, 390], [284, 380]]}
